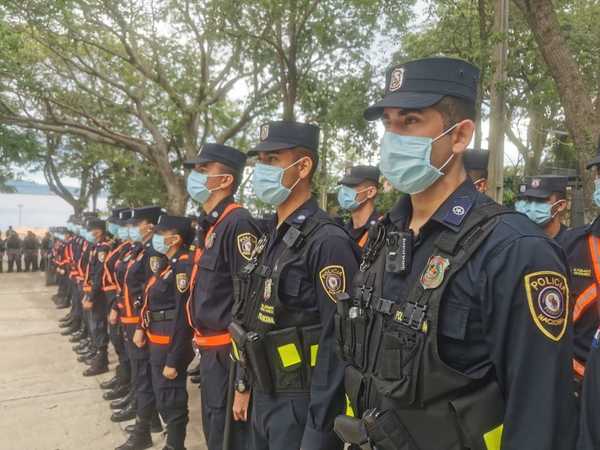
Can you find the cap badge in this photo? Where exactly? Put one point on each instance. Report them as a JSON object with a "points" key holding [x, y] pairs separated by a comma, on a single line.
{"points": [[535, 183], [396, 79], [264, 132]]}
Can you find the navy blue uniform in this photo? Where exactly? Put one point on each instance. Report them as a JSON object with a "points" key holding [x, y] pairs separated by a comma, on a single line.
{"points": [[580, 244], [496, 320], [360, 234], [170, 343], [94, 290], [228, 245], [589, 424], [305, 420]]}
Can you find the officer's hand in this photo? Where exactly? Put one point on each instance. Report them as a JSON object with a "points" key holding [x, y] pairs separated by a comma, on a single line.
{"points": [[139, 338], [240, 406], [113, 317], [169, 373], [87, 304]]}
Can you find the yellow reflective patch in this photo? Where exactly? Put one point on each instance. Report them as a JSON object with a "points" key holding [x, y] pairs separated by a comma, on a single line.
{"points": [[235, 351], [289, 355], [314, 351], [349, 409], [493, 439]]}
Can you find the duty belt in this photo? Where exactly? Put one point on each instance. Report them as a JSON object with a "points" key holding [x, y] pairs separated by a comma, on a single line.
{"points": [[162, 316]]}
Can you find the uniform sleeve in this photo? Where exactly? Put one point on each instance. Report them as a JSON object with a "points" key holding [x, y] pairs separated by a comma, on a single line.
{"points": [[181, 340], [527, 319], [589, 425], [334, 264], [97, 269]]}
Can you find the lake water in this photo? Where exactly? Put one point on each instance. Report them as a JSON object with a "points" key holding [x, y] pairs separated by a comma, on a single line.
{"points": [[37, 211]]}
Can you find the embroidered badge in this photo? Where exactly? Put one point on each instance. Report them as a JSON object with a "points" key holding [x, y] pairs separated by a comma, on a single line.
{"points": [[535, 183], [101, 256], [246, 243], [433, 275], [333, 280], [581, 272], [268, 289], [396, 79], [154, 263], [210, 240], [182, 281], [264, 132], [548, 299]]}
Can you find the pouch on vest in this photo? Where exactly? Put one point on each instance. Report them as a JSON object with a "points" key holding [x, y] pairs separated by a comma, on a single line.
{"points": [[310, 349], [387, 431], [285, 353], [478, 416]]}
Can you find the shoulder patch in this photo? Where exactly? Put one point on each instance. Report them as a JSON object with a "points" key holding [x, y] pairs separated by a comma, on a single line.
{"points": [[582, 272], [101, 256], [333, 280], [182, 282], [548, 298], [154, 263], [245, 244]]}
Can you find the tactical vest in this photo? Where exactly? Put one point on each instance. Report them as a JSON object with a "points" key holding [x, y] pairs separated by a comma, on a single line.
{"points": [[393, 350], [278, 343]]}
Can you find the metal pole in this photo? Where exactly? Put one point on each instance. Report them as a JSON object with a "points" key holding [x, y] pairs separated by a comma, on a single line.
{"points": [[498, 103]]}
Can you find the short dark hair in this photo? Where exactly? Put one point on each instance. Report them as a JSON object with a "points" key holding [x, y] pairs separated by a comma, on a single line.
{"points": [[455, 109], [477, 174], [303, 152], [234, 173]]}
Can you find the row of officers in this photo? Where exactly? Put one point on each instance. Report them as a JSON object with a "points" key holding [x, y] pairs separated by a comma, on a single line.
{"points": [[447, 323]]}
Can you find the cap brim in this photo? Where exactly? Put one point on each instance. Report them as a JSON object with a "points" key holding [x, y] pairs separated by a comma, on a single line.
{"points": [[407, 100], [190, 163], [535, 193], [351, 181], [269, 146], [593, 162]]}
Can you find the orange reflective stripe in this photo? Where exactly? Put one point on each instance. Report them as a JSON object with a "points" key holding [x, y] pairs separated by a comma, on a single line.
{"points": [[578, 368], [130, 319], [594, 244], [195, 267], [212, 341], [158, 339], [363, 240], [127, 300], [585, 300]]}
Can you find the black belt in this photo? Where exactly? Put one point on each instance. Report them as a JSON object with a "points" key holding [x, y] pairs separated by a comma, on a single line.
{"points": [[161, 316]]}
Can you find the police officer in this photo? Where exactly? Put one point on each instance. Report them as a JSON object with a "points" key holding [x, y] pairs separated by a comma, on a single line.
{"points": [[2, 249], [589, 424], [476, 165], [13, 250], [45, 248], [283, 326], [143, 264], [165, 328], [31, 248], [582, 247], [357, 194], [457, 331], [543, 198], [120, 246], [227, 236]]}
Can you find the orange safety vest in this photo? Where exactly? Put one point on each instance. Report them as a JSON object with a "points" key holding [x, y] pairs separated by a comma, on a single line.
{"points": [[108, 282], [200, 339], [129, 318], [363, 239], [589, 296]]}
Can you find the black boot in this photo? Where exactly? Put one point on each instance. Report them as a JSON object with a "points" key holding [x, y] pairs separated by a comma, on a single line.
{"points": [[87, 356], [78, 336], [64, 304], [125, 414], [84, 349], [113, 383], [123, 402], [84, 343], [119, 392], [65, 324], [66, 318], [98, 365], [72, 330], [137, 441]]}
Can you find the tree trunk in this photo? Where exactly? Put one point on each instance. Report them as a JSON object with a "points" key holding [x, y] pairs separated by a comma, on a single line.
{"points": [[582, 119]]}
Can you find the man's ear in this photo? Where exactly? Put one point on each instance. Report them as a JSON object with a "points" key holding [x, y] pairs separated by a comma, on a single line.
{"points": [[228, 181], [461, 136], [305, 167]]}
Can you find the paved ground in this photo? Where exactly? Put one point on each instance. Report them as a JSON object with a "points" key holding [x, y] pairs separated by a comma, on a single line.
{"points": [[45, 403]]}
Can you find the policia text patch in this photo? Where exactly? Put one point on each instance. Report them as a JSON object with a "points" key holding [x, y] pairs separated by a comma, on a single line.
{"points": [[548, 298]]}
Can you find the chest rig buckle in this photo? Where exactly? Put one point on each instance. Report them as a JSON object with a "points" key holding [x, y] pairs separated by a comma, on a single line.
{"points": [[414, 315]]}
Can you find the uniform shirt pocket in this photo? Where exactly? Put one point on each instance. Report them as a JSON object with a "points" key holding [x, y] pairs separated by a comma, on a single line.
{"points": [[453, 319]]}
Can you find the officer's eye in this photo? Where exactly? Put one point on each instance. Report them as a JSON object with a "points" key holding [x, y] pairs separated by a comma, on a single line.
{"points": [[411, 119]]}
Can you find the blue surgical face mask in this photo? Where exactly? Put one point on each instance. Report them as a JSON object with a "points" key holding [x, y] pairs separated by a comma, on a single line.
{"points": [[406, 161], [123, 233], [158, 243], [135, 235], [538, 212], [267, 183], [196, 186], [112, 228], [597, 192], [347, 198]]}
